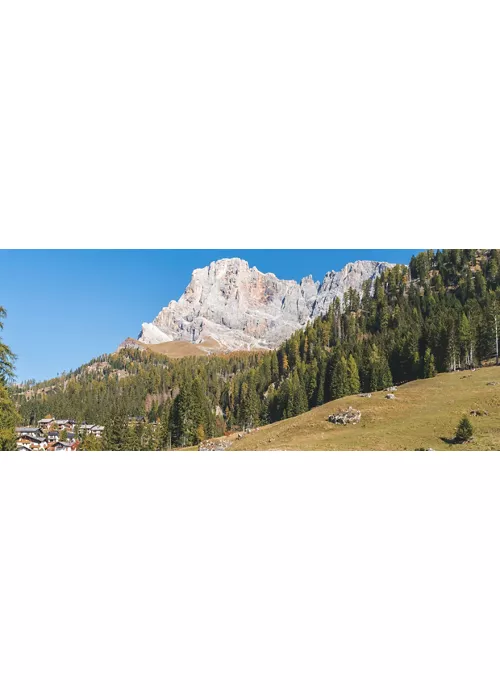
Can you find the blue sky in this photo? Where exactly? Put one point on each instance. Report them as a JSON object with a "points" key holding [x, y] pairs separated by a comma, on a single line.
{"points": [[67, 306]]}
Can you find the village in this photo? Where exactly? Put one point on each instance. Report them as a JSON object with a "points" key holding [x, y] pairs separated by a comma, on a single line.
{"points": [[60, 434], [54, 435]]}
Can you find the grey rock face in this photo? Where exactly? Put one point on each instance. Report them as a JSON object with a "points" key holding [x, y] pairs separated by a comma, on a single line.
{"points": [[242, 308]]}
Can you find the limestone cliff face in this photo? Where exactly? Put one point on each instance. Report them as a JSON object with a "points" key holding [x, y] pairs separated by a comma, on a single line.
{"points": [[242, 308]]}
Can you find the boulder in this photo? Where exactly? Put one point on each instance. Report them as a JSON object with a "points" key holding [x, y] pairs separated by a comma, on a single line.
{"points": [[351, 415], [214, 445], [390, 396], [365, 396]]}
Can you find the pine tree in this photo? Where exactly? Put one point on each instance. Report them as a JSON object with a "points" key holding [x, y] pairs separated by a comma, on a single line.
{"points": [[353, 383], [7, 357], [319, 398], [8, 414], [274, 367], [464, 430], [299, 396], [90, 443], [249, 404], [464, 337], [149, 438], [9, 418], [182, 426], [339, 379], [132, 442], [311, 380], [115, 431], [429, 365], [164, 436]]}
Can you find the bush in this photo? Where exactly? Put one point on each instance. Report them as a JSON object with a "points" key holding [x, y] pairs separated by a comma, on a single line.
{"points": [[464, 430]]}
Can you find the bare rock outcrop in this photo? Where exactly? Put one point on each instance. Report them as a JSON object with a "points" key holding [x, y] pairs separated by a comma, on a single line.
{"points": [[243, 308], [352, 415]]}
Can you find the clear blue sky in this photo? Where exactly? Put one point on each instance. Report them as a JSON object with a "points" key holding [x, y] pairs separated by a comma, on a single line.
{"points": [[67, 306]]}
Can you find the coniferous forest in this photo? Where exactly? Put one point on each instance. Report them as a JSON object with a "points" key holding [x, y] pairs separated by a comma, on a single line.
{"points": [[439, 314]]}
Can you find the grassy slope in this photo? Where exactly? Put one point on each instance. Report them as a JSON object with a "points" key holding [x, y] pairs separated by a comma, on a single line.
{"points": [[423, 412], [180, 348]]}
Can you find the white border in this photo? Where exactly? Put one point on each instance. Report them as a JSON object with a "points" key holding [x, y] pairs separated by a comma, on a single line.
{"points": [[186, 576], [226, 125]]}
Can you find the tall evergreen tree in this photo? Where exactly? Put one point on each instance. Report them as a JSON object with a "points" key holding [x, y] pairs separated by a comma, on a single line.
{"points": [[8, 414], [7, 357], [339, 378], [353, 383], [164, 436], [429, 365], [115, 431]]}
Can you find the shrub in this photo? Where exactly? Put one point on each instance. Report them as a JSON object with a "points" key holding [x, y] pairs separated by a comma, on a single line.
{"points": [[464, 430]]}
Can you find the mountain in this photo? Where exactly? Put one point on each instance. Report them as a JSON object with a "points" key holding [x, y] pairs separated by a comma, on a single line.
{"points": [[242, 308]]}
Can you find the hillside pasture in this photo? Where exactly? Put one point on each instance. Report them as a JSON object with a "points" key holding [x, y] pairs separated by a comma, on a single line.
{"points": [[424, 415]]}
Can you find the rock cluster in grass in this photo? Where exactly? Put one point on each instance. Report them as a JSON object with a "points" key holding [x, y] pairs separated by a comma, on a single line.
{"points": [[365, 396], [352, 415], [214, 445]]}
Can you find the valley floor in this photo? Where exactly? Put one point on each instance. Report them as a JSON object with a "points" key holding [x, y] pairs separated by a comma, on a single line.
{"points": [[424, 414]]}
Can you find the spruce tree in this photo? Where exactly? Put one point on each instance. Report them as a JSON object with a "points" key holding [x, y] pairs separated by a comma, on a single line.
{"points": [[7, 357], [90, 443], [8, 414], [353, 383], [132, 442], [164, 435], [464, 430], [149, 438], [115, 431], [339, 379], [9, 418], [429, 365]]}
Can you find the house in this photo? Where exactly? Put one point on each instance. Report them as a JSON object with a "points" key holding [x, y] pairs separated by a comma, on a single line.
{"points": [[71, 437], [33, 442], [96, 430], [45, 423], [22, 447], [61, 446], [65, 424], [53, 435], [29, 430]]}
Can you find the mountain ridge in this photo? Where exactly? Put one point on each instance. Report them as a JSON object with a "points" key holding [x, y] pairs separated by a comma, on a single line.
{"points": [[242, 308]]}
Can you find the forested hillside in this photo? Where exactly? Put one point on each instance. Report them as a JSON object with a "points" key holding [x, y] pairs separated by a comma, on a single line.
{"points": [[437, 315]]}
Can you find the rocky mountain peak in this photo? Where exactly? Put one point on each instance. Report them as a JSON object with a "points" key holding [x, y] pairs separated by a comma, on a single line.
{"points": [[243, 308]]}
